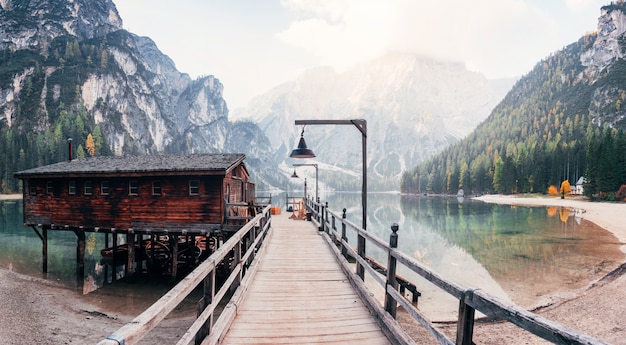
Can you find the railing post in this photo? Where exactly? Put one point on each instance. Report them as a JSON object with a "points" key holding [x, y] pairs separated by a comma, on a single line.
{"points": [[390, 303], [317, 210], [236, 261], [360, 248], [252, 235], [333, 226], [325, 228], [321, 227], [206, 300], [344, 250], [465, 325]]}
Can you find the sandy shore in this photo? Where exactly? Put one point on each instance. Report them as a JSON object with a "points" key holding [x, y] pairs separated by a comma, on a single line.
{"points": [[610, 216], [44, 312], [10, 196], [597, 311]]}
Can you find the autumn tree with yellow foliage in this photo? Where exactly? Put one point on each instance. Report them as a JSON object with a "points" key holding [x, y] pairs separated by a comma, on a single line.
{"points": [[565, 188], [90, 145]]}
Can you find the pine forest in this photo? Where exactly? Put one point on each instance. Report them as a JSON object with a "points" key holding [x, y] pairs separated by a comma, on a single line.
{"points": [[550, 128]]}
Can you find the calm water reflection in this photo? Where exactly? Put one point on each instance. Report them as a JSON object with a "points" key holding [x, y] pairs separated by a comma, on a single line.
{"points": [[523, 254], [21, 251]]}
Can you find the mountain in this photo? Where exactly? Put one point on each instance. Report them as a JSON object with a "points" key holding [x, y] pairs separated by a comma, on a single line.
{"points": [[414, 107], [563, 119], [69, 69]]}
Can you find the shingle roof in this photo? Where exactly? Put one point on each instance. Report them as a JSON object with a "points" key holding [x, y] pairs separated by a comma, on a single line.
{"points": [[197, 163]]}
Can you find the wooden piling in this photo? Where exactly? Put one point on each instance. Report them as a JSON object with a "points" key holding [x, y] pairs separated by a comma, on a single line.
{"points": [[114, 265], [80, 255], [174, 246]]}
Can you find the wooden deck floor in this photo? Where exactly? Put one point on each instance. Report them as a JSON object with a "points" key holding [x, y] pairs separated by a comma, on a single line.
{"points": [[300, 295]]}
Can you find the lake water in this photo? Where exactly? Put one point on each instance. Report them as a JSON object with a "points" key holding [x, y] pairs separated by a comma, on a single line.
{"points": [[530, 256], [21, 251]]}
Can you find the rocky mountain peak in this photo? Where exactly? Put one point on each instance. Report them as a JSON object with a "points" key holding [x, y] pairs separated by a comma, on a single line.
{"points": [[604, 62], [607, 47], [34, 24]]}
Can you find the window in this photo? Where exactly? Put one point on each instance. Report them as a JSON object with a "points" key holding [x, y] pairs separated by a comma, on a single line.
{"points": [[88, 187], [194, 187], [133, 187], [49, 187], [32, 188], [104, 187], [71, 188], [156, 187]]}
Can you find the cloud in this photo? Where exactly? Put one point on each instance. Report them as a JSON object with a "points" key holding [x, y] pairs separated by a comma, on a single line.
{"points": [[581, 6], [500, 38], [339, 32]]}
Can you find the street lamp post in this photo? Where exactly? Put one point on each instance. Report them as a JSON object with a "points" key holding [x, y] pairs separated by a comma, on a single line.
{"points": [[303, 152], [361, 125], [316, 178]]}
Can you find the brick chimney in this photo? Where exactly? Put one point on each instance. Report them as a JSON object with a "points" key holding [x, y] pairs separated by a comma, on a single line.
{"points": [[69, 149]]}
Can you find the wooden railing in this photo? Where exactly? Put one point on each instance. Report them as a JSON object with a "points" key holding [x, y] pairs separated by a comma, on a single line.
{"points": [[470, 299], [292, 202], [263, 200], [240, 254], [239, 212]]}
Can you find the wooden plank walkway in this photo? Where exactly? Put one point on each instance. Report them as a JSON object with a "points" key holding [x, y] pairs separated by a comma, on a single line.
{"points": [[300, 295]]}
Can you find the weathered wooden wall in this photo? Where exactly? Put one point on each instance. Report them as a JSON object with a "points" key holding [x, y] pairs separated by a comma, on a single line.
{"points": [[237, 189], [174, 207]]}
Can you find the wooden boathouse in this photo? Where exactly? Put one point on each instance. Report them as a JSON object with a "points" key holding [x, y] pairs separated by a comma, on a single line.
{"points": [[164, 204]]}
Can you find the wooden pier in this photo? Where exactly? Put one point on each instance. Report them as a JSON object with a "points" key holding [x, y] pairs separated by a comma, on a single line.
{"points": [[290, 283], [300, 295]]}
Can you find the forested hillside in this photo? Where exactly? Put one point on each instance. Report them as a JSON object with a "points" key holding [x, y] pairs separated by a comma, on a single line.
{"points": [[561, 121], [31, 139]]}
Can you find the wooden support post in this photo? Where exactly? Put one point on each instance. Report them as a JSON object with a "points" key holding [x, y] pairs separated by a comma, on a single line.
{"points": [[80, 255], [151, 262], [190, 254], [114, 264], [390, 303], [465, 325], [191, 244], [43, 236], [106, 267], [207, 298], [344, 250], [174, 246], [44, 250], [130, 263]]}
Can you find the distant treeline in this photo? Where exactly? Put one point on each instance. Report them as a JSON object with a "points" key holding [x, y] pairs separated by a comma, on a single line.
{"points": [[601, 160]]}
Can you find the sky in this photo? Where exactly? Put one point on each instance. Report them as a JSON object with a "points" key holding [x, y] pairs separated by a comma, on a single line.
{"points": [[252, 46]]}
